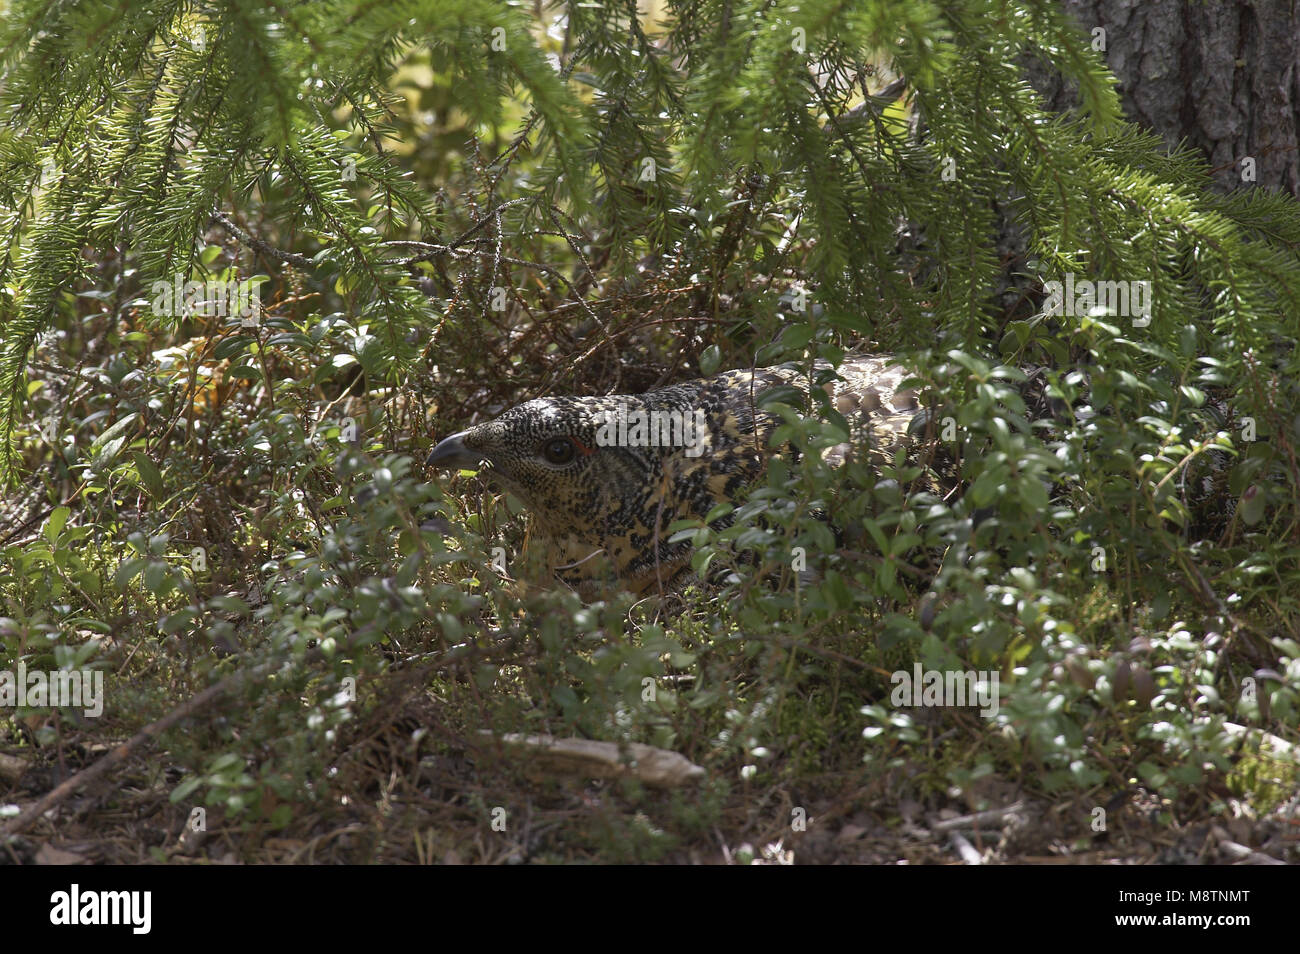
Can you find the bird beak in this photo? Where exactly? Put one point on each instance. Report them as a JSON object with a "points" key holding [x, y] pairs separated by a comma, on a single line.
{"points": [[452, 454]]}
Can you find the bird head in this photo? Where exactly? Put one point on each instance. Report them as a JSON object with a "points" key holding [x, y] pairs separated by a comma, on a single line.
{"points": [[606, 474], [545, 451]]}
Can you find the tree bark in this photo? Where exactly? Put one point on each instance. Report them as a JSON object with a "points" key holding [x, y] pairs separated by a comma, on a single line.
{"points": [[1221, 74]]}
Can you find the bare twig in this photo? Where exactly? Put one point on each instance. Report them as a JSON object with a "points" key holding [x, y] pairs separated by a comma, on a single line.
{"points": [[118, 755], [992, 817], [435, 250], [255, 243], [964, 848], [1241, 853]]}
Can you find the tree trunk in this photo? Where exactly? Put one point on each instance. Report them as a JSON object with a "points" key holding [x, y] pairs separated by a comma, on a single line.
{"points": [[1221, 74]]}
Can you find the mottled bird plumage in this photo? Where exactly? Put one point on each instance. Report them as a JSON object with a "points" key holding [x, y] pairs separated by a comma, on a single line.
{"points": [[603, 510]]}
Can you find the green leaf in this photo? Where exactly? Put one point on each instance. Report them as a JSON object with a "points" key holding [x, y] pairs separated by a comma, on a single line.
{"points": [[127, 571], [55, 524], [985, 489], [231, 346], [104, 449], [710, 360], [157, 578], [182, 791], [796, 337], [1252, 505], [229, 604], [150, 476]]}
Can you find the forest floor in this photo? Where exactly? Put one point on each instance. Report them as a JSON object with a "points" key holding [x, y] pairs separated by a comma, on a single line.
{"points": [[405, 796]]}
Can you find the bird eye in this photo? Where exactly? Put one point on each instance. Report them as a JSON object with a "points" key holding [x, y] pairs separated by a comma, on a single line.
{"points": [[559, 450]]}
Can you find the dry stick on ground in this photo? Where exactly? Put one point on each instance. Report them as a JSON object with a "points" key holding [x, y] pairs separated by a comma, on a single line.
{"points": [[119, 754], [964, 848], [994, 816], [152, 730]]}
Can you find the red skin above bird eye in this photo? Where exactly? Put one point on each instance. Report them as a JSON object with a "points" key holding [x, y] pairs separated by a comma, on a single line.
{"points": [[583, 449]]}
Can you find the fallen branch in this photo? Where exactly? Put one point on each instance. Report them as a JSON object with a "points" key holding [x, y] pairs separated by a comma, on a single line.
{"points": [[1241, 853], [119, 754], [964, 848], [992, 817], [658, 768]]}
